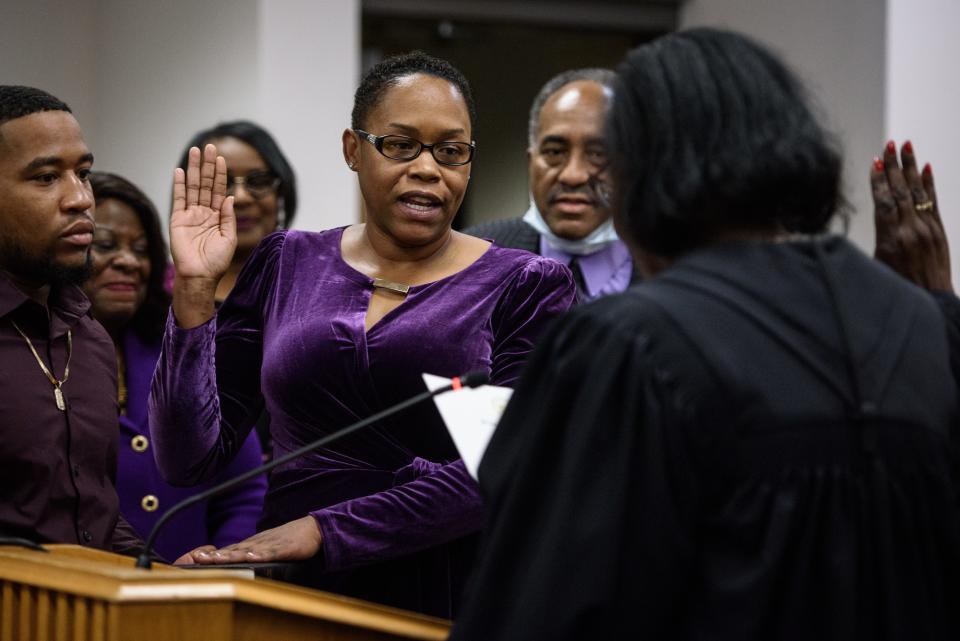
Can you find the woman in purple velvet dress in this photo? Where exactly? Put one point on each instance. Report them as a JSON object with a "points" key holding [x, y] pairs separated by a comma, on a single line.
{"points": [[127, 297], [327, 328]]}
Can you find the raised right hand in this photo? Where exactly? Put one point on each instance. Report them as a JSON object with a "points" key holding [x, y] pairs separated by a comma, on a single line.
{"points": [[203, 228], [910, 234]]}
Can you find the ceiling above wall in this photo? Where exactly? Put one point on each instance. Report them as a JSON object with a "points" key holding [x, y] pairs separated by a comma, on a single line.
{"points": [[638, 15]]}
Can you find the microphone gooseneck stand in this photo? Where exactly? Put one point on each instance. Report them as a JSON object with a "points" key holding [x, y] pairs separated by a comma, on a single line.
{"points": [[471, 379]]}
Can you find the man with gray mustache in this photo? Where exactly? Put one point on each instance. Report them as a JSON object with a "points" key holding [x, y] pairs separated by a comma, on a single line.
{"points": [[569, 216]]}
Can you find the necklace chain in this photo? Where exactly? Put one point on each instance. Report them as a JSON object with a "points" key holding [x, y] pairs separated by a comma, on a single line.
{"points": [[121, 381], [57, 383]]}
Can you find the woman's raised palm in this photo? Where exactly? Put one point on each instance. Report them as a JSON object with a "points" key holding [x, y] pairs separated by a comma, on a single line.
{"points": [[203, 229]]}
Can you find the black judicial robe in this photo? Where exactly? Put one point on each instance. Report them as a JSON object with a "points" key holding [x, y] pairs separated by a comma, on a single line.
{"points": [[756, 444]]}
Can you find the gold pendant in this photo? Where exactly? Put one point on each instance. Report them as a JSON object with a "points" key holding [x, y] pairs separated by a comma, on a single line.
{"points": [[391, 286], [57, 394]]}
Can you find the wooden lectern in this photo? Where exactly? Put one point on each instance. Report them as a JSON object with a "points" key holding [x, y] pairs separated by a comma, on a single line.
{"points": [[72, 593]]}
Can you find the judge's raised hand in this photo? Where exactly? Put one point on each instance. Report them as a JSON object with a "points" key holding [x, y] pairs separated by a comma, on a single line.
{"points": [[203, 234], [910, 235], [293, 541]]}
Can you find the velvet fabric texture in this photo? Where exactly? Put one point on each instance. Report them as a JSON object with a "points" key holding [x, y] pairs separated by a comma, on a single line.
{"points": [[220, 521], [393, 502], [758, 443]]}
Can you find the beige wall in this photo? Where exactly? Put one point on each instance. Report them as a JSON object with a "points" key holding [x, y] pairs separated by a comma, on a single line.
{"points": [[143, 76], [923, 95], [48, 44], [195, 64], [309, 69]]}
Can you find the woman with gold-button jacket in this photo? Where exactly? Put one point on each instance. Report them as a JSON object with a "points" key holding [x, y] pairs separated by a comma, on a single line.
{"points": [[128, 298]]}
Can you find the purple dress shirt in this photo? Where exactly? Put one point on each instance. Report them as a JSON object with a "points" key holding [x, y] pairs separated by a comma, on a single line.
{"points": [[393, 502], [57, 467], [605, 272], [145, 496]]}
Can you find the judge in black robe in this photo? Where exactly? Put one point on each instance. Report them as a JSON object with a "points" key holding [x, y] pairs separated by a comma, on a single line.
{"points": [[758, 442]]}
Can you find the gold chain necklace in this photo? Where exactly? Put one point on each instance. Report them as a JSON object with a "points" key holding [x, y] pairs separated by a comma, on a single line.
{"points": [[121, 381], [57, 392]]}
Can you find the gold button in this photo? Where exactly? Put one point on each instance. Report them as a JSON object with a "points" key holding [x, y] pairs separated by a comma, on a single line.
{"points": [[150, 503], [139, 443]]}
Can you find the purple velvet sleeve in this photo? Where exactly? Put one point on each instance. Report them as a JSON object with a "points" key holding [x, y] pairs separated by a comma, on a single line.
{"points": [[433, 509], [205, 395], [541, 292], [443, 503]]}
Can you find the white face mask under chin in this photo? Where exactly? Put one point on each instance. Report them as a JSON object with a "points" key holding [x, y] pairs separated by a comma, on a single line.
{"points": [[593, 242]]}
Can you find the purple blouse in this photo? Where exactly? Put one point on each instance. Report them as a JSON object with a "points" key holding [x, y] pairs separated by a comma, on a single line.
{"points": [[145, 496], [394, 497], [605, 272]]}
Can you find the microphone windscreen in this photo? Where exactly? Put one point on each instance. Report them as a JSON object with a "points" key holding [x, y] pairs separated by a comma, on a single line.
{"points": [[475, 378]]}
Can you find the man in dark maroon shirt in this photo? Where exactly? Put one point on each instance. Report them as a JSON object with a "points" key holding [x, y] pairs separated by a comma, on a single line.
{"points": [[58, 408]]}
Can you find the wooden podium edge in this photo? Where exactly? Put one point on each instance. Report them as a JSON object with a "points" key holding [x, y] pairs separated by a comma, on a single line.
{"points": [[91, 573]]}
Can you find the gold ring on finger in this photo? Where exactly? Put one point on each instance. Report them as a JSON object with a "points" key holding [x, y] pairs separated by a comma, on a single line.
{"points": [[924, 206]]}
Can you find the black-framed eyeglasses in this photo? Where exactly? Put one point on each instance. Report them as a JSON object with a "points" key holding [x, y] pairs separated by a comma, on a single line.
{"points": [[259, 184], [397, 147]]}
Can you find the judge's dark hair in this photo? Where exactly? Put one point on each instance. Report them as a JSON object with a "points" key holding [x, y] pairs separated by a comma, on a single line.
{"points": [[264, 144], [384, 75], [709, 133], [17, 101], [149, 320]]}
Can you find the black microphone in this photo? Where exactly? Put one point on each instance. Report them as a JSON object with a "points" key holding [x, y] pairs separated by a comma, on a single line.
{"points": [[23, 543], [470, 379]]}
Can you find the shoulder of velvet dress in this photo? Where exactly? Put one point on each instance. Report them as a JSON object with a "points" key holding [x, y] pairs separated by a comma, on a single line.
{"points": [[257, 274], [533, 276]]}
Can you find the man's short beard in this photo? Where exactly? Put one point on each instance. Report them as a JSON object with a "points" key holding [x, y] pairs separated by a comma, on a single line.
{"points": [[44, 270], [61, 275]]}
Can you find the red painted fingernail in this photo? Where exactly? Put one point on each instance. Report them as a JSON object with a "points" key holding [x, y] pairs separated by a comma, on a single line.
{"points": [[908, 147], [927, 170], [878, 164], [891, 147]]}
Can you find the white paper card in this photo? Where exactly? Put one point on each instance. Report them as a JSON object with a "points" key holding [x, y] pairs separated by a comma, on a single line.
{"points": [[471, 415]]}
